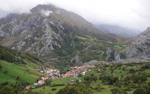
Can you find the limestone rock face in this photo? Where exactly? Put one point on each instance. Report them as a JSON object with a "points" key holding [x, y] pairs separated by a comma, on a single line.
{"points": [[112, 55], [140, 46], [117, 55], [53, 34], [108, 52]]}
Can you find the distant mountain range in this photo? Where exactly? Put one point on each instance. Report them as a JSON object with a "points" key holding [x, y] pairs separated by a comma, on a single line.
{"points": [[117, 30]]}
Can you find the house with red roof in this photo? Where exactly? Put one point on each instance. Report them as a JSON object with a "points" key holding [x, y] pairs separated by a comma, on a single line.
{"points": [[27, 88], [99, 70]]}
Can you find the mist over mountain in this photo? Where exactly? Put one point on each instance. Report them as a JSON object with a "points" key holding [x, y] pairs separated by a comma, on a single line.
{"points": [[3, 13], [117, 30]]}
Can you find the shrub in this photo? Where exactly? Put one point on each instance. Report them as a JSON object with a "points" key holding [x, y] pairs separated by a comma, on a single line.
{"points": [[0, 66], [53, 89], [58, 85], [5, 83], [139, 91], [148, 75], [5, 72], [145, 66]]}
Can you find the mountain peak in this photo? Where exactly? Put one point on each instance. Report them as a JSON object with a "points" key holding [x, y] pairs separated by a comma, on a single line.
{"points": [[45, 7], [147, 31]]}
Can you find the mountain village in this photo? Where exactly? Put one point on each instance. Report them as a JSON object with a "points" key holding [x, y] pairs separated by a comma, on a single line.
{"points": [[55, 73]]}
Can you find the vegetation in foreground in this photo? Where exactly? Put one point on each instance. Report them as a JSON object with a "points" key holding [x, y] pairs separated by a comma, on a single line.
{"points": [[111, 79]]}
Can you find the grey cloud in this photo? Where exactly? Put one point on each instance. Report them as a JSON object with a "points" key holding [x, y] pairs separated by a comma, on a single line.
{"points": [[127, 13]]}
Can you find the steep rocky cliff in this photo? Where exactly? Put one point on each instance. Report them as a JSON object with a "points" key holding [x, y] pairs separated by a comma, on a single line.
{"points": [[140, 47], [112, 54]]}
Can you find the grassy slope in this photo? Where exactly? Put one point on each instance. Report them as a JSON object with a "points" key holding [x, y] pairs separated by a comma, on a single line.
{"points": [[48, 89], [26, 74], [56, 81]]}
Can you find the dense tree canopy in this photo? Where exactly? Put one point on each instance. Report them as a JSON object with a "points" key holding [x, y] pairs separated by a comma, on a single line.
{"points": [[139, 91]]}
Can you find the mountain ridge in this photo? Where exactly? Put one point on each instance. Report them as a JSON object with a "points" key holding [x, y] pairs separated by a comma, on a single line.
{"points": [[117, 30], [55, 35]]}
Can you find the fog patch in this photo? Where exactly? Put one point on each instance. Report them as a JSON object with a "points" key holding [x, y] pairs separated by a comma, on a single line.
{"points": [[46, 12]]}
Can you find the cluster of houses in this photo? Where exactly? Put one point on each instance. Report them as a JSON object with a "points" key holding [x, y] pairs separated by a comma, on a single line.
{"points": [[40, 82], [51, 73], [73, 71], [77, 70], [55, 73]]}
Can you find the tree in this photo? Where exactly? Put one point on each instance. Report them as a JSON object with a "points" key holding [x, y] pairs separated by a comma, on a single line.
{"points": [[148, 84], [7, 90], [94, 78], [132, 84], [139, 91], [87, 78], [0, 66], [114, 91], [146, 88], [5, 72], [78, 88], [118, 91]]}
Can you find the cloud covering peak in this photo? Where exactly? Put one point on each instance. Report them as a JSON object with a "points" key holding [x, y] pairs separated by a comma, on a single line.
{"points": [[127, 13]]}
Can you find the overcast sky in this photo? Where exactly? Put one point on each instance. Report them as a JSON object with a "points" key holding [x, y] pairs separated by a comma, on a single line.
{"points": [[127, 13]]}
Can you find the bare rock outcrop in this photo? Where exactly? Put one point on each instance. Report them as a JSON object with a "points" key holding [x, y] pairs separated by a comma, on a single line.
{"points": [[112, 55], [140, 46]]}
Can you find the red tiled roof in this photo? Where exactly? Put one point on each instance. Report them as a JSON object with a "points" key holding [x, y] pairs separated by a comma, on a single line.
{"points": [[27, 87]]}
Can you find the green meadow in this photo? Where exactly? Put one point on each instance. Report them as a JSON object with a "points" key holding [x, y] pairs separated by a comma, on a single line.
{"points": [[13, 73]]}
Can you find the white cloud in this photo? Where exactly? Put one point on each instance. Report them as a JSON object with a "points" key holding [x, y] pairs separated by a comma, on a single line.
{"points": [[127, 13], [46, 12]]}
